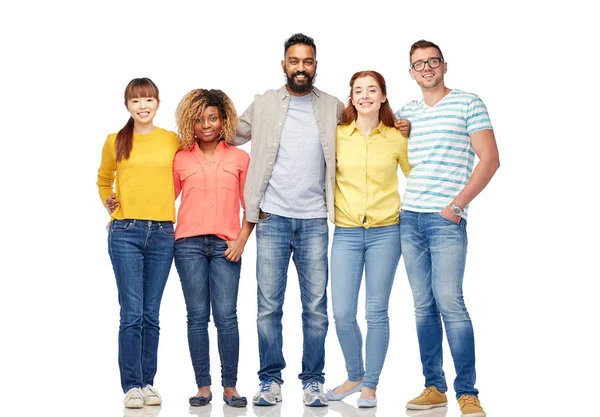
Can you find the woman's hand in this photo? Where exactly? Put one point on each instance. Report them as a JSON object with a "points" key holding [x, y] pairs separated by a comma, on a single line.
{"points": [[235, 248], [111, 203]]}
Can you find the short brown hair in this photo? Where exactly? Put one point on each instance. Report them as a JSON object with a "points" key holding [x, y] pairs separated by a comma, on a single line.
{"points": [[422, 44]]}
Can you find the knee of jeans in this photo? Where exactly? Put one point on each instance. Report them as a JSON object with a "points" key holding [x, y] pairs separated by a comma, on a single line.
{"points": [[225, 320], [150, 319], [269, 304], [198, 317], [377, 316], [131, 320], [344, 315], [315, 318], [453, 308], [426, 307]]}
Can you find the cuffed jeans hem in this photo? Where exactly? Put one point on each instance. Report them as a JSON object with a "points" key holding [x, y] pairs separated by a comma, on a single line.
{"points": [[473, 393], [126, 389], [315, 379], [205, 382], [228, 382], [274, 378]]}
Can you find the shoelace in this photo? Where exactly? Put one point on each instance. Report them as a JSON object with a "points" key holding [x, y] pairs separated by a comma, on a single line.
{"points": [[470, 399], [314, 386], [152, 390], [426, 392], [135, 393], [265, 385]]}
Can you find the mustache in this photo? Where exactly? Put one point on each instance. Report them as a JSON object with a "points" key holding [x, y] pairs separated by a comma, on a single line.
{"points": [[306, 74]]}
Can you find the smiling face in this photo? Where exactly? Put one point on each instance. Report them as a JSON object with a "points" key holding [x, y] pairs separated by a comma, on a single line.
{"points": [[142, 109], [207, 127], [367, 96], [429, 78], [300, 66]]}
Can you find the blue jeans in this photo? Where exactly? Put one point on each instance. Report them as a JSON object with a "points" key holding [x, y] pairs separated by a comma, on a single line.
{"points": [[377, 252], [208, 280], [141, 252], [277, 238], [435, 252]]}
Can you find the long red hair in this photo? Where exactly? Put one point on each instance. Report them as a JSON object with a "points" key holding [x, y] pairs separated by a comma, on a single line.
{"points": [[386, 114]]}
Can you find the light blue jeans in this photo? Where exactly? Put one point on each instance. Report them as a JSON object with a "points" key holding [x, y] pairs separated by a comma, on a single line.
{"points": [[435, 253], [277, 238], [377, 252]]}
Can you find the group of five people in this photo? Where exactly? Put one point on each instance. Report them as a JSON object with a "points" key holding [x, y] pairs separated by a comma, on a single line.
{"points": [[311, 158]]}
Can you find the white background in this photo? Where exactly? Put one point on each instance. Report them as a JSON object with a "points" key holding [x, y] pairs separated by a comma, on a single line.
{"points": [[531, 283]]}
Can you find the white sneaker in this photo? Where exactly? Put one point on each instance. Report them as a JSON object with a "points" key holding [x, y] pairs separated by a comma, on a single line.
{"points": [[134, 398], [314, 395], [151, 396], [269, 393]]}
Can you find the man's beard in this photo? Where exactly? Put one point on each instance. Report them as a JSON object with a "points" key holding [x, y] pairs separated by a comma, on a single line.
{"points": [[303, 88]]}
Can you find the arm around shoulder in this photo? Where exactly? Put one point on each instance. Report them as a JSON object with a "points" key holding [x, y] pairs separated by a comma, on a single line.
{"points": [[244, 130]]}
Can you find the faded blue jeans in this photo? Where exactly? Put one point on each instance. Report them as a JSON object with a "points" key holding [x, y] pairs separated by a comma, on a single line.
{"points": [[208, 280], [141, 252], [435, 252], [305, 240], [376, 251]]}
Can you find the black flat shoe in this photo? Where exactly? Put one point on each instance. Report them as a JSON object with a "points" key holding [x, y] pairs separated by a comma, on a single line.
{"points": [[235, 401], [198, 401]]}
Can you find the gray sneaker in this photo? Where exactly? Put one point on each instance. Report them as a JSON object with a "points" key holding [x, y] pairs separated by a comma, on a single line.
{"points": [[314, 395], [269, 393]]}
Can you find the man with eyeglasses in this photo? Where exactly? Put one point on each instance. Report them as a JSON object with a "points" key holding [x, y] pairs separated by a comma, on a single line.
{"points": [[449, 128]]}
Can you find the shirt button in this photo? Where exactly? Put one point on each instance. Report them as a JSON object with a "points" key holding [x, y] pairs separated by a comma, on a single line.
{"points": [[270, 163]]}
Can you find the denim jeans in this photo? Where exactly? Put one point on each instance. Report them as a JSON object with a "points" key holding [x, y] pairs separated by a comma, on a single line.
{"points": [[208, 280], [377, 252], [141, 252], [435, 252], [277, 238]]}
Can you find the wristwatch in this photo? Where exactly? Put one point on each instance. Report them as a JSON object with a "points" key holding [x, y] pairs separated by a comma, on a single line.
{"points": [[457, 211]]}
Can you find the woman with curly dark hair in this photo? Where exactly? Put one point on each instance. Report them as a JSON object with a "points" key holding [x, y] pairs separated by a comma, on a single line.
{"points": [[210, 175]]}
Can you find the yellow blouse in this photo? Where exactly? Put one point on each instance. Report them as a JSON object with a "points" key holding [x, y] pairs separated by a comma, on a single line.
{"points": [[366, 180]]}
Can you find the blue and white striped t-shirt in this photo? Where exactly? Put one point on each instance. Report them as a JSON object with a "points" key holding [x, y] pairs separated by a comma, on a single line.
{"points": [[439, 149]]}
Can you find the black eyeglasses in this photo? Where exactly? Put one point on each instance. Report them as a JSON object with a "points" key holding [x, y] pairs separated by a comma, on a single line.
{"points": [[432, 62]]}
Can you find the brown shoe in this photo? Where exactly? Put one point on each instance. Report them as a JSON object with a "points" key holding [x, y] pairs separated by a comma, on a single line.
{"points": [[470, 407], [429, 398]]}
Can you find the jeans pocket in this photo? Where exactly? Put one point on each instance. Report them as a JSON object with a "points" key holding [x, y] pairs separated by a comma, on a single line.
{"points": [[447, 220], [120, 226], [263, 216], [168, 229]]}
